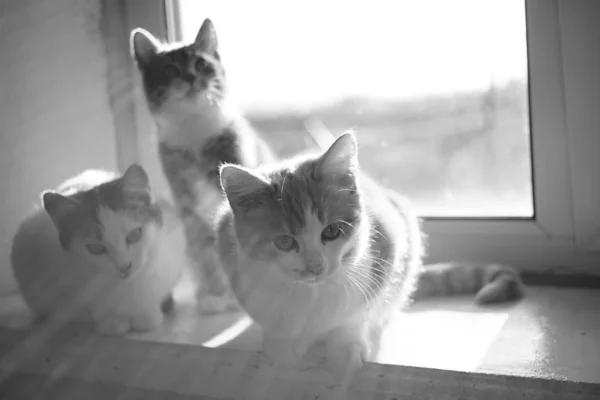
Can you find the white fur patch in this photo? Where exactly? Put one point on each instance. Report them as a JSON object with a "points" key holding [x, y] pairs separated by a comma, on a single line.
{"points": [[209, 199], [116, 226], [184, 122]]}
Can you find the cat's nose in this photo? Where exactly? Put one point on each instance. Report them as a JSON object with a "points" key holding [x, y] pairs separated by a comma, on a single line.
{"points": [[124, 267], [189, 77], [315, 268]]}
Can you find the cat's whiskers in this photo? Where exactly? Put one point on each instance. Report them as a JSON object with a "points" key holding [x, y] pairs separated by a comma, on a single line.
{"points": [[348, 223], [389, 277], [372, 302], [363, 272], [372, 258], [358, 273], [370, 293], [362, 264], [360, 286], [378, 232], [347, 298], [356, 284]]}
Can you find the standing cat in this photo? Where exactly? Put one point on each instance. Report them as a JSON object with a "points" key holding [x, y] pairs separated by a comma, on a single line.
{"points": [[102, 247], [186, 90], [317, 251]]}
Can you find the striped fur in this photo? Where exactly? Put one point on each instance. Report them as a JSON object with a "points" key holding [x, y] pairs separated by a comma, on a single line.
{"points": [[491, 283]]}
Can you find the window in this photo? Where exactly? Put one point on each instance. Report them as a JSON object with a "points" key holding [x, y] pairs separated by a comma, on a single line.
{"points": [[547, 219], [472, 124], [443, 118]]}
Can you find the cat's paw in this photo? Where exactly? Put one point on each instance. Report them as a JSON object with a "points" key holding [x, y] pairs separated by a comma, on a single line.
{"points": [[280, 352], [347, 349], [114, 325], [147, 321], [345, 360]]}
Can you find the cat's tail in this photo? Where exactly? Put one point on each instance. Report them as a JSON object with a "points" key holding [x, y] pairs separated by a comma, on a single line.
{"points": [[491, 283]]}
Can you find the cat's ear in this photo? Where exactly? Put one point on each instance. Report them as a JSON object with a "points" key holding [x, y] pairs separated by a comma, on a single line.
{"points": [[135, 180], [57, 206], [206, 40], [341, 157], [143, 45], [239, 183]]}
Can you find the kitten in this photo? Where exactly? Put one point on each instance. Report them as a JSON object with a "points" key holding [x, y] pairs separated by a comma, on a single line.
{"points": [[186, 90], [100, 246], [316, 251]]}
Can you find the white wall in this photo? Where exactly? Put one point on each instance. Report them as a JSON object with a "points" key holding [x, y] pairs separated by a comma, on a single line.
{"points": [[55, 117]]}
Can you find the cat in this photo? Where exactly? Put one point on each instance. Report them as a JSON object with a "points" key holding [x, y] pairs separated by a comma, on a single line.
{"points": [[185, 87], [101, 248], [316, 252]]}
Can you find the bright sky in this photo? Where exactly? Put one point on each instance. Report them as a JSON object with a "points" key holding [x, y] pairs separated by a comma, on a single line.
{"points": [[282, 54]]}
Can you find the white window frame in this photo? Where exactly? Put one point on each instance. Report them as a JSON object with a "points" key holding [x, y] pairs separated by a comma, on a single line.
{"points": [[564, 235]]}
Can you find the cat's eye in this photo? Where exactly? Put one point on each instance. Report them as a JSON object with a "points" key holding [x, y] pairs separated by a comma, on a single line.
{"points": [[96, 248], [200, 64], [171, 71], [134, 236], [285, 243], [331, 232]]}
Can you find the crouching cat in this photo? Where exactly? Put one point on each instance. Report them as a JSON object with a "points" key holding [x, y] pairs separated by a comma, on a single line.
{"points": [[101, 248], [316, 251]]}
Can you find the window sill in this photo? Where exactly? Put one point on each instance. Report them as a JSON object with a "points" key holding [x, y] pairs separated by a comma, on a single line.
{"points": [[547, 344]]}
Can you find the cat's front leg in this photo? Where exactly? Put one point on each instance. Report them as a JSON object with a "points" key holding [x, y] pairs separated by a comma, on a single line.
{"points": [[283, 351], [148, 320], [113, 325], [214, 294], [347, 349]]}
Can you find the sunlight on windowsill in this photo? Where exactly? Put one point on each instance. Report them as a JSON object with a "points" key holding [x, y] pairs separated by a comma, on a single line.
{"points": [[552, 333], [435, 337]]}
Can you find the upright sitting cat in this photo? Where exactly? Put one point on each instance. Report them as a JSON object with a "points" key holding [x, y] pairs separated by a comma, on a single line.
{"points": [[102, 248], [316, 251], [186, 91]]}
